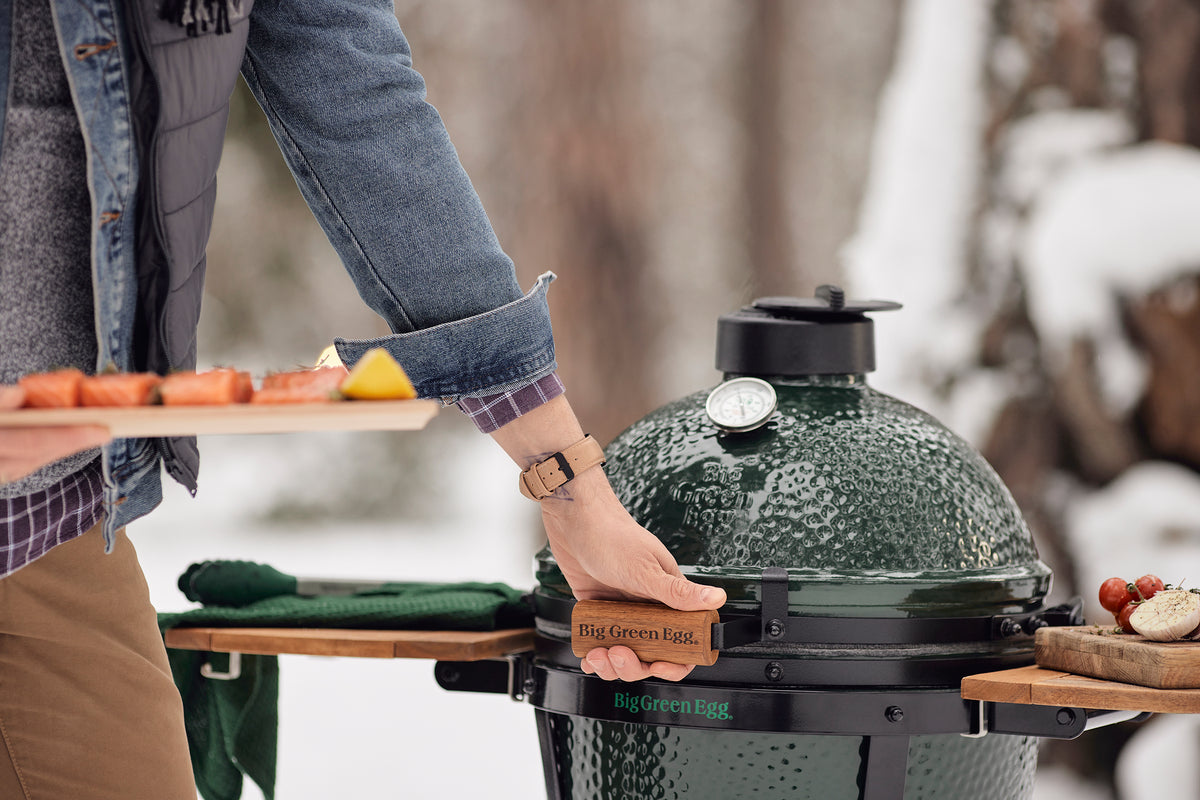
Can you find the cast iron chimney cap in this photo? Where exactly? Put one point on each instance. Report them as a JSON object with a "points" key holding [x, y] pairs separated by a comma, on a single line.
{"points": [[794, 337]]}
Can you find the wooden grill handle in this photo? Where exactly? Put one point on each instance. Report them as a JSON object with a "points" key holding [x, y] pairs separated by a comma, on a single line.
{"points": [[654, 632]]}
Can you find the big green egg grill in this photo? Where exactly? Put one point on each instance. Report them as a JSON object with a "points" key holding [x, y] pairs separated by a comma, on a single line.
{"points": [[871, 559]]}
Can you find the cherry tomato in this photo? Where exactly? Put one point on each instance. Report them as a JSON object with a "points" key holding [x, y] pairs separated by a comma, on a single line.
{"points": [[1115, 593], [1148, 586], [1123, 617]]}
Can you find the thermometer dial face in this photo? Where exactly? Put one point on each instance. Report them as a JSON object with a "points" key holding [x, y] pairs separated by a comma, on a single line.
{"points": [[741, 404]]}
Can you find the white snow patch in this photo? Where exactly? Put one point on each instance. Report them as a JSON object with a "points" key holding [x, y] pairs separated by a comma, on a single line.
{"points": [[1123, 222], [1035, 148]]}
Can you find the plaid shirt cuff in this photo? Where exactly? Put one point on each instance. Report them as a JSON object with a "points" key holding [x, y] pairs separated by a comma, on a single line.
{"points": [[494, 410]]}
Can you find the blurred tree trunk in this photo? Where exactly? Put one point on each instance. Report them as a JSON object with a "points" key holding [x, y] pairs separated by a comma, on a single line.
{"points": [[811, 77], [768, 233], [581, 131]]}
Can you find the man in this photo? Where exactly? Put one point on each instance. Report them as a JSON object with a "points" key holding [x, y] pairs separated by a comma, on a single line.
{"points": [[108, 153]]}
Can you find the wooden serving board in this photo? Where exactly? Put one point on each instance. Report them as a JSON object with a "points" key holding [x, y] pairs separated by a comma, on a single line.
{"points": [[1127, 658], [1046, 687], [149, 421], [443, 645]]}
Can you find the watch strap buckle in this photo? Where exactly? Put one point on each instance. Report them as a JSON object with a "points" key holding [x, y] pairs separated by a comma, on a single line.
{"points": [[543, 478]]}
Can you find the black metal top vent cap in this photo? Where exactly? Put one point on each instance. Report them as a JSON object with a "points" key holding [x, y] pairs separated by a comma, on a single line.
{"points": [[792, 336]]}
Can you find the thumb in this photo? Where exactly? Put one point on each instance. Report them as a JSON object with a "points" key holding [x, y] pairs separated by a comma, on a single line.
{"points": [[683, 595]]}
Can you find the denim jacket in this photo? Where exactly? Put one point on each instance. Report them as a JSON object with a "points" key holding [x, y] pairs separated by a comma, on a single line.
{"points": [[371, 157]]}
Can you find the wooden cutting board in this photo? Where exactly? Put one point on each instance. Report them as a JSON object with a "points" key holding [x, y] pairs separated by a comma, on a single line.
{"points": [[349, 415], [1127, 658]]}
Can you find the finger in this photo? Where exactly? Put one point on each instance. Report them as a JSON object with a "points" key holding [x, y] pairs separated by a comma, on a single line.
{"points": [[670, 672], [11, 397], [600, 667], [24, 450], [684, 595], [627, 665], [618, 664]]}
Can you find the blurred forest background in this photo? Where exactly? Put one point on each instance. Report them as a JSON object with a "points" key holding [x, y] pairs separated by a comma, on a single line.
{"points": [[1021, 174]]}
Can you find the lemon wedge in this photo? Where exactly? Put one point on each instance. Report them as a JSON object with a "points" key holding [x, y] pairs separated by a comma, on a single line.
{"points": [[377, 376]]}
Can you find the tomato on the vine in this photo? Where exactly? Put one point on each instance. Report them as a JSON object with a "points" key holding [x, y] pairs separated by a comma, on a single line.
{"points": [[1148, 586], [1125, 614], [1115, 593]]}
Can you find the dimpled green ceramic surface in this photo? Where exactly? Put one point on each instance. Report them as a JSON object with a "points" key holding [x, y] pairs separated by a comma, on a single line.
{"points": [[875, 509]]}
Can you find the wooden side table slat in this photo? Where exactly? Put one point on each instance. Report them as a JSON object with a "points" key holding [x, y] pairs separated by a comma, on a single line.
{"points": [[1046, 687], [440, 645]]}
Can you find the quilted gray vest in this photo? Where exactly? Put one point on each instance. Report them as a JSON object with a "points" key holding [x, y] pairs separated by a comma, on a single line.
{"points": [[182, 78]]}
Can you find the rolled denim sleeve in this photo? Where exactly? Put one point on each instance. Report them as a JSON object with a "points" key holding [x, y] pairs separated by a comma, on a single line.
{"points": [[374, 162]]}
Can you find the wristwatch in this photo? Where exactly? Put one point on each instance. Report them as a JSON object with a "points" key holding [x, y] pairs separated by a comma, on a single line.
{"points": [[540, 480]]}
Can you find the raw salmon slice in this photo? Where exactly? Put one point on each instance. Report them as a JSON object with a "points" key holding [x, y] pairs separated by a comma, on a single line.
{"points": [[325, 379], [57, 389], [216, 387], [301, 395], [119, 389]]}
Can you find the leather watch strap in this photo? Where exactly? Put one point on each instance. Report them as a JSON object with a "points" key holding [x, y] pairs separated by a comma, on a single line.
{"points": [[540, 480]]}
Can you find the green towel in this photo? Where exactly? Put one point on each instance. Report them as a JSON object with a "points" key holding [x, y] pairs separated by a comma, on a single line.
{"points": [[232, 725]]}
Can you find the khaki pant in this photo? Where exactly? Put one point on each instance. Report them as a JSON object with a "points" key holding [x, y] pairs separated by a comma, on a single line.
{"points": [[88, 710]]}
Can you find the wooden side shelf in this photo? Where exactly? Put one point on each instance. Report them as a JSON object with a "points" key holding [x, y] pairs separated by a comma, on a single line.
{"points": [[440, 645], [1046, 687]]}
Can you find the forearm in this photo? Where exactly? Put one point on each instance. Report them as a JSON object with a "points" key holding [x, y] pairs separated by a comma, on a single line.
{"points": [[539, 433]]}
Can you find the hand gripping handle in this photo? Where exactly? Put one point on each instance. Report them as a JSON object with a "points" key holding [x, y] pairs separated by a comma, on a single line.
{"points": [[654, 632]]}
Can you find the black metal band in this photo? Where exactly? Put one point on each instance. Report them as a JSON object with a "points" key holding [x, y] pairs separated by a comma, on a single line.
{"points": [[775, 626], [849, 712], [786, 670]]}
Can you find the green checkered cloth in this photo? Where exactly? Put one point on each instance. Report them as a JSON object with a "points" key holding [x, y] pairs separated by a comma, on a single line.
{"points": [[232, 725]]}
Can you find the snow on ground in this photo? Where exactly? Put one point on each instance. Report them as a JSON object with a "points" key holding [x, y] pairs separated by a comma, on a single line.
{"points": [[1160, 760], [363, 727], [1056, 783]]}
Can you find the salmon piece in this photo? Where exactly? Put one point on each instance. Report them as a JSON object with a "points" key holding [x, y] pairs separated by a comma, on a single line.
{"points": [[277, 395], [217, 387], [57, 389], [120, 389], [325, 379]]}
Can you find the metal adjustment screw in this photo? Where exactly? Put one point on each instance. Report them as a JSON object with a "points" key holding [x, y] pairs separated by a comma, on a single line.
{"points": [[774, 671], [1034, 623], [775, 628], [894, 713], [1010, 627], [1065, 716], [833, 295], [528, 686]]}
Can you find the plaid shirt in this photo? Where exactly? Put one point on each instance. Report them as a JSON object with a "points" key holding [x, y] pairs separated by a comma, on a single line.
{"points": [[34, 523], [490, 412]]}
